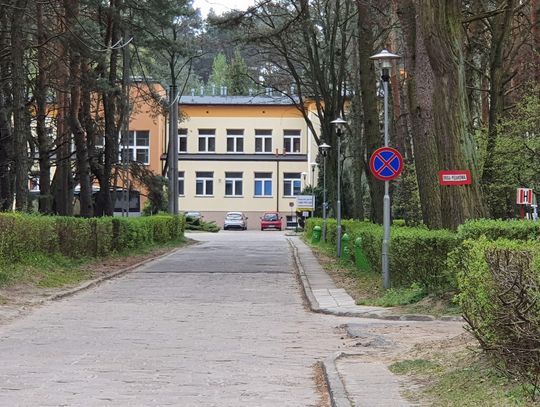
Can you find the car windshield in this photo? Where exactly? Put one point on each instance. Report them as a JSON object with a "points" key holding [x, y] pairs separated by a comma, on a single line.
{"points": [[234, 216], [270, 216]]}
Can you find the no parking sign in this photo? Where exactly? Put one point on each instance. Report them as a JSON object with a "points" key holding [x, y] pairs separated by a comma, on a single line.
{"points": [[386, 163]]}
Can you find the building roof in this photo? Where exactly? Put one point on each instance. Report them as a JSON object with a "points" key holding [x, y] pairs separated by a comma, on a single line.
{"points": [[254, 100]]}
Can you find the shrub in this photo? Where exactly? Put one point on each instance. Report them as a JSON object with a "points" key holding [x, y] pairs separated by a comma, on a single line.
{"points": [[497, 229], [500, 297]]}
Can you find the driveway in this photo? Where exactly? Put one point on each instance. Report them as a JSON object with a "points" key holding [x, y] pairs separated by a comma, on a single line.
{"points": [[219, 323]]}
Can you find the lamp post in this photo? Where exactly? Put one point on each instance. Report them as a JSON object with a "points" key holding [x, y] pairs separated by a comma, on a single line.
{"points": [[323, 148], [385, 58], [313, 166], [340, 126]]}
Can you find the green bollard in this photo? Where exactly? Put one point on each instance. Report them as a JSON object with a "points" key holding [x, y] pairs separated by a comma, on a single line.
{"points": [[360, 260], [316, 235], [346, 255]]}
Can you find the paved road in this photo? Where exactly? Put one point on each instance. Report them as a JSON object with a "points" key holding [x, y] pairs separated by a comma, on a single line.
{"points": [[220, 323]]}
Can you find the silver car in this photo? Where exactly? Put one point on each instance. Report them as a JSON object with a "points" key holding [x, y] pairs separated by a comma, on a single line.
{"points": [[235, 220]]}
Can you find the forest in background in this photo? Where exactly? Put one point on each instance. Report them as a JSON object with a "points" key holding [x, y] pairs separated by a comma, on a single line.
{"points": [[464, 95]]}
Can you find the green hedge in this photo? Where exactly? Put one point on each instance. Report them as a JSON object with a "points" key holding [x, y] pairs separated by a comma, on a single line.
{"points": [[79, 237], [499, 284], [500, 229], [417, 255]]}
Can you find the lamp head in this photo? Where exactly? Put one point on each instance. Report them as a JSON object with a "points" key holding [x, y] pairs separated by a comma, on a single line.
{"points": [[312, 165], [339, 123], [324, 148], [385, 58]]}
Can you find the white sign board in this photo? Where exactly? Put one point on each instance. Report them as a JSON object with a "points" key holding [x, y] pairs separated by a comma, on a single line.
{"points": [[305, 202]]}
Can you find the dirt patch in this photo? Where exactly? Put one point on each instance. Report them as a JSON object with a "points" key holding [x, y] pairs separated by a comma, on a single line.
{"points": [[321, 385]]}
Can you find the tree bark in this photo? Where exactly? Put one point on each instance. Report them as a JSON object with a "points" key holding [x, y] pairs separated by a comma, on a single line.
{"points": [[6, 136], [456, 147], [370, 114], [420, 88], [20, 132], [79, 135], [43, 139]]}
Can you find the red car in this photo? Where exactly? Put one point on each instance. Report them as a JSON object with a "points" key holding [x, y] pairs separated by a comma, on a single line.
{"points": [[271, 220]]}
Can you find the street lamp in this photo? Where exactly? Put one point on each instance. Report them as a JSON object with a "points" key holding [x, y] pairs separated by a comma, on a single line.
{"points": [[313, 166], [385, 58], [324, 148], [340, 126]]}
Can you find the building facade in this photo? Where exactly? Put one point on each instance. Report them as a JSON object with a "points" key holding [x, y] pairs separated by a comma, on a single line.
{"points": [[243, 153]]}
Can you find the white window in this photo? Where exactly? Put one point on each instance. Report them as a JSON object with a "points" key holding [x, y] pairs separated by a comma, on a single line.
{"points": [[204, 183], [291, 141], [263, 184], [263, 141], [138, 147], [235, 141], [207, 140], [181, 183], [292, 183], [233, 184], [182, 140]]}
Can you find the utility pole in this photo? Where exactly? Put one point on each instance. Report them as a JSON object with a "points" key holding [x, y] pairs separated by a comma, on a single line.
{"points": [[173, 151]]}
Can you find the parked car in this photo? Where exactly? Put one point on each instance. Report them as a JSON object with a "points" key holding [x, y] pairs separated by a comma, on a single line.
{"points": [[235, 220], [271, 220], [193, 215]]}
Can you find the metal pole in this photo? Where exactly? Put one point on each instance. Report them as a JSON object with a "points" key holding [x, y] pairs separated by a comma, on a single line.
{"points": [[338, 230], [386, 200], [324, 199], [170, 157]]}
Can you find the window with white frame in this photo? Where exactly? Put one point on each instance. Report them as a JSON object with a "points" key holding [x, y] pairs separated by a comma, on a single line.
{"points": [[138, 146], [204, 183], [235, 140], [182, 140], [263, 141], [292, 183], [291, 141], [233, 184], [207, 140], [181, 183], [263, 184]]}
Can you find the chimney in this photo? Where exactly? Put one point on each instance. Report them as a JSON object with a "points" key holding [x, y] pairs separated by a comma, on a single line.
{"points": [[202, 90], [213, 90], [192, 92]]}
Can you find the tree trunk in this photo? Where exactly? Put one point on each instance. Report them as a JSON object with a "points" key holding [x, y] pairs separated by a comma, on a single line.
{"points": [[6, 137], [501, 25], [79, 135], [420, 90], [456, 147], [43, 140], [370, 114], [20, 132]]}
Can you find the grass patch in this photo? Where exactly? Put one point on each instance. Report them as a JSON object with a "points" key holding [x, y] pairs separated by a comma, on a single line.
{"points": [[454, 380], [366, 287], [415, 366], [397, 296]]}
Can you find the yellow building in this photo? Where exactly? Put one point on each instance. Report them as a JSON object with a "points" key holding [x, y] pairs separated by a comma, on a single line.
{"points": [[243, 153]]}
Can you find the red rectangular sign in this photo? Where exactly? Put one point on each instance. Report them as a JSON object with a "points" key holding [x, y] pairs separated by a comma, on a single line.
{"points": [[455, 177], [524, 196]]}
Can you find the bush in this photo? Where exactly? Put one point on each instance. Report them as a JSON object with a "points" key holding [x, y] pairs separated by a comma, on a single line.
{"points": [[21, 235], [498, 229], [500, 297], [417, 255]]}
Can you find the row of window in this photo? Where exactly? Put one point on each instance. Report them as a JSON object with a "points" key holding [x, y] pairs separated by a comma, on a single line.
{"points": [[235, 141], [138, 148], [234, 184]]}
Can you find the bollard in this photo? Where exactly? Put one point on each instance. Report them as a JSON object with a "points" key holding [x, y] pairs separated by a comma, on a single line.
{"points": [[359, 257], [316, 235], [346, 255]]}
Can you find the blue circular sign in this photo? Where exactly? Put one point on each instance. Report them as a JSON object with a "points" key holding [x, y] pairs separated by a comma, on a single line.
{"points": [[386, 163]]}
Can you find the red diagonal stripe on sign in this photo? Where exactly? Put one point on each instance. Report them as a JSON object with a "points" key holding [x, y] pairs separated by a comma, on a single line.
{"points": [[386, 164]]}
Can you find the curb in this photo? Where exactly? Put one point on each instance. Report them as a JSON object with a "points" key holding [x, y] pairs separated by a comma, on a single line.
{"points": [[314, 305], [336, 388], [95, 282]]}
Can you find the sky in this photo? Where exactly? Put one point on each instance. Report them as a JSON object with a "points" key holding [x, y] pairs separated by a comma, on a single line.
{"points": [[221, 6]]}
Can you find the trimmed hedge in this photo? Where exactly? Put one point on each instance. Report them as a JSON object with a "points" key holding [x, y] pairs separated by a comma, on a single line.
{"points": [[417, 255], [500, 229], [22, 234]]}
